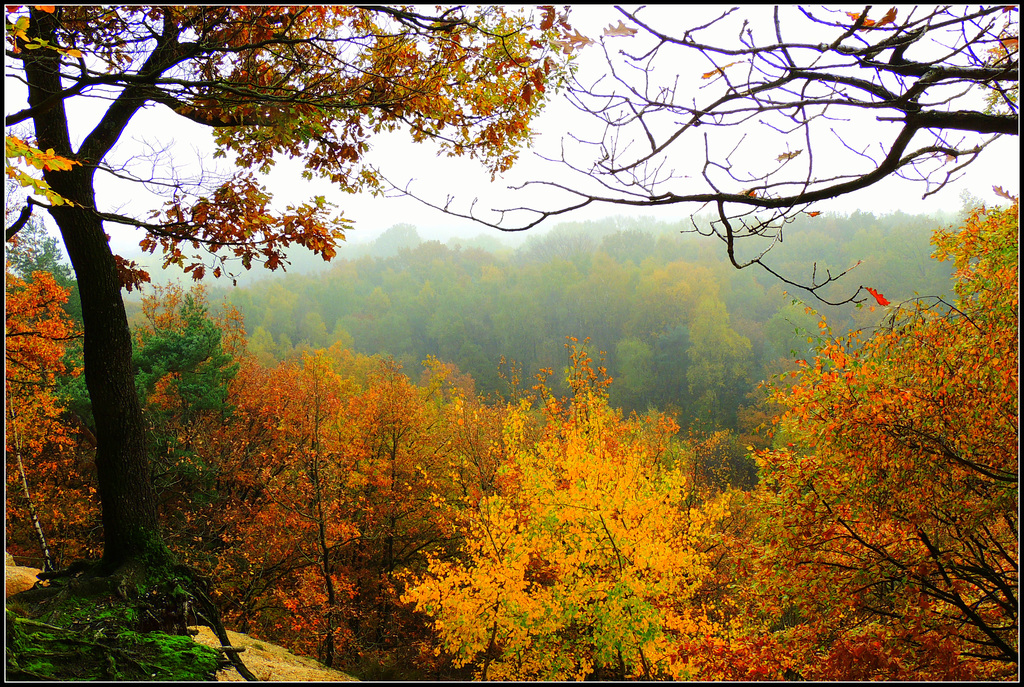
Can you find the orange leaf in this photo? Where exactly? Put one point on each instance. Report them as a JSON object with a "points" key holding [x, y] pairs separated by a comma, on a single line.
{"points": [[888, 18], [814, 214], [868, 23], [720, 70]]}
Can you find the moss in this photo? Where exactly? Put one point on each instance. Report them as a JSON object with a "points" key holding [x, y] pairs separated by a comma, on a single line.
{"points": [[175, 657], [126, 625], [37, 651]]}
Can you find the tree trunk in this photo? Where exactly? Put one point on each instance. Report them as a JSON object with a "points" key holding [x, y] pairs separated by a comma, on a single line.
{"points": [[127, 497]]}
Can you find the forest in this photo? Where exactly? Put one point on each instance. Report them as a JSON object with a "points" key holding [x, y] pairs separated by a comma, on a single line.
{"points": [[603, 454], [764, 440]]}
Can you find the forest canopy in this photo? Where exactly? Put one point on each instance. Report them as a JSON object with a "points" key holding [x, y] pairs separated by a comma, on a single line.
{"points": [[361, 508]]}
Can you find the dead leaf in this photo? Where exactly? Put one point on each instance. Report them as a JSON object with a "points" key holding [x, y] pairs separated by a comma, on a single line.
{"points": [[620, 30], [527, 94], [888, 18], [548, 20], [574, 42], [788, 156], [579, 39], [1002, 193]]}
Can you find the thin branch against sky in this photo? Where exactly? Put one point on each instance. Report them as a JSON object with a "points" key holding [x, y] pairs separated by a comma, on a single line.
{"points": [[435, 178]]}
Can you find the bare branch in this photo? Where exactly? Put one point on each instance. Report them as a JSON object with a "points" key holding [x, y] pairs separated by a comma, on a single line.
{"points": [[920, 75]]}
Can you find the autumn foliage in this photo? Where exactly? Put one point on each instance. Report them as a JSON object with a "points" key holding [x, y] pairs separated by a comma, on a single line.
{"points": [[48, 486], [402, 526], [315, 83], [888, 525], [585, 559]]}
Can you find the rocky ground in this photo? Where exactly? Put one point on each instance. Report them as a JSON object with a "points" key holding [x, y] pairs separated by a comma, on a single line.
{"points": [[267, 661]]}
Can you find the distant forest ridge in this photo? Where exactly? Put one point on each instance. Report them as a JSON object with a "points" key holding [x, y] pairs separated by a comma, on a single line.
{"points": [[406, 236], [680, 328]]}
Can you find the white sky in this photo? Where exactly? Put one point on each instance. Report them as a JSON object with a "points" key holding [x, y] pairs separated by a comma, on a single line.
{"points": [[436, 178]]}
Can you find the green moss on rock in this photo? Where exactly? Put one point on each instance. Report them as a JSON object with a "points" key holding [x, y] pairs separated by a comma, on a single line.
{"points": [[38, 651]]}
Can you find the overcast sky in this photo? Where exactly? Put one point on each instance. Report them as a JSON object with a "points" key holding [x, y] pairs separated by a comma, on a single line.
{"points": [[438, 177]]}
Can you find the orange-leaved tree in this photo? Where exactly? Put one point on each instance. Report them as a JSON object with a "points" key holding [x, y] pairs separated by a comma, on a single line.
{"points": [[586, 559], [49, 497], [325, 485], [887, 540], [314, 83]]}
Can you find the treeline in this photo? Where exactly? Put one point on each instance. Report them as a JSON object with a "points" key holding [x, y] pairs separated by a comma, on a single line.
{"points": [[395, 522], [682, 330]]}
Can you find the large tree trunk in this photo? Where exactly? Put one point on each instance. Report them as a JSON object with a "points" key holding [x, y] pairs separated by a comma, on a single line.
{"points": [[127, 496]]}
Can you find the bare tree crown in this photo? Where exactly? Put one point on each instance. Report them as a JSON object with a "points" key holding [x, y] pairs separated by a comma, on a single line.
{"points": [[844, 99]]}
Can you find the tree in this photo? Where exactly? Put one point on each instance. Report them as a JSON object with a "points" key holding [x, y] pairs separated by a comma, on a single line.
{"points": [[719, 362], [49, 497], [889, 517], [329, 473], [635, 362], [586, 558], [313, 82], [399, 447], [32, 250], [183, 373], [933, 88]]}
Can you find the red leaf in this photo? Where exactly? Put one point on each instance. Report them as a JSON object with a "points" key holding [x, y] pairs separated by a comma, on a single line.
{"points": [[882, 300]]}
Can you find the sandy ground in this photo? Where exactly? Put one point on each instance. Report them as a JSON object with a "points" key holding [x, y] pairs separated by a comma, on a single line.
{"points": [[18, 578], [267, 661], [270, 662]]}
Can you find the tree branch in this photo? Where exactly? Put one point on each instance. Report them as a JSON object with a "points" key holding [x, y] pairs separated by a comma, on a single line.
{"points": [[23, 217]]}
